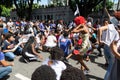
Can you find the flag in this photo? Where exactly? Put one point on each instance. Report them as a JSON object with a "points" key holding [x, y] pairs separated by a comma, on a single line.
{"points": [[77, 11]]}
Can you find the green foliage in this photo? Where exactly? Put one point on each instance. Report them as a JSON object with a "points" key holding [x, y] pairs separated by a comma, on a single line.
{"points": [[35, 6], [109, 5], [5, 11], [4, 7]]}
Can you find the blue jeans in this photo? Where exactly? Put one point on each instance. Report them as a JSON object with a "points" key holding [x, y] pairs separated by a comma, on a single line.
{"points": [[110, 58], [9, 56], [4, 71], [18, 51]]}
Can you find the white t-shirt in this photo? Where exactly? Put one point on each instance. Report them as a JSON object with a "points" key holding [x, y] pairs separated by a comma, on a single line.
{"points": [[10, 24], [57, 66], [110, 34], [60, 26], [50, 42]]}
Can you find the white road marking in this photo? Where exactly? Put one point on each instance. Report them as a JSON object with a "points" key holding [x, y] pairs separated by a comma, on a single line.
{"points": [[21, 77]]}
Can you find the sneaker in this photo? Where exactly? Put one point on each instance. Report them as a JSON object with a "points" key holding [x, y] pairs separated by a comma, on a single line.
{"points": [[25, 60]]}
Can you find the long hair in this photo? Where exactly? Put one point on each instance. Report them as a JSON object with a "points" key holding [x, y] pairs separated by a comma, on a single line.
{"points": [[28, 44]]}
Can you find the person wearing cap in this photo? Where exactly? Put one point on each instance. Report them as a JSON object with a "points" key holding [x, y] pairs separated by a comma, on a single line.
{"points": [[83, 30]]}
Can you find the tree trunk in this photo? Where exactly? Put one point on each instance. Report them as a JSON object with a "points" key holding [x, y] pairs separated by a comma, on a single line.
{"points": [[0, 11], [118, 5], [29, 11], [104, 6]]}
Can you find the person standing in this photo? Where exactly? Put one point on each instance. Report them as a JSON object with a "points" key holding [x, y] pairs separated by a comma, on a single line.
{"points": [[106, 34], [83, 30], [115, 72]]}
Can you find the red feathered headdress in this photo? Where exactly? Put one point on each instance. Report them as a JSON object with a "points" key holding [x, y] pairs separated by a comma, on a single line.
{"points": [[79, 20]]}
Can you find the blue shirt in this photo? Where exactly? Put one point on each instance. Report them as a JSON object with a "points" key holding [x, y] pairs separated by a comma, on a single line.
{"points": [[65, 44], [42, 27], [2, 56], [52, 26]]}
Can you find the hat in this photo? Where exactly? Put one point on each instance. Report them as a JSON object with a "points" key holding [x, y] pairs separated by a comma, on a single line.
{"points": [[79, 20]]}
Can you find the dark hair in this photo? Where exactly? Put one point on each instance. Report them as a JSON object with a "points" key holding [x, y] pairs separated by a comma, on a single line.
{"points": [[72, 73], [44, 72], [56, 53], [26, 29], [105, 19], [8, 35], [29, 42], [65, 34], [97, 21]]}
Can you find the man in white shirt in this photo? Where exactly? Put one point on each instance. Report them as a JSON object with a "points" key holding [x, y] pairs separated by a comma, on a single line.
{"points": [[51, 40], [11, 26], [106, 35], [10, 23]]}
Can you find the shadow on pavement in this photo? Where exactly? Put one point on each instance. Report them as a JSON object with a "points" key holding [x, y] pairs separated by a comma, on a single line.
{"points": [[21, 60], [91, 77], [5, 78], [92, 59]]}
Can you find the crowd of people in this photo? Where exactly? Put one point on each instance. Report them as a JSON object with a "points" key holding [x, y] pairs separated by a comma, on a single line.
{"points": [[78, 38]]}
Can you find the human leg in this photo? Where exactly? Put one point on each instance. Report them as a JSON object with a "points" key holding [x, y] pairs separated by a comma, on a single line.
{"points": [[4, 71], [110, 59], [80, 59], [9, 56], [18, 51]]}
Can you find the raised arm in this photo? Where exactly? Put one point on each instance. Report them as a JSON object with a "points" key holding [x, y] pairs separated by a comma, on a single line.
{"points": [[78, 29]]}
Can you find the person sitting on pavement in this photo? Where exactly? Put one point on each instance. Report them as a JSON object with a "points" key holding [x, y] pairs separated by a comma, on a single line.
{"points": [[50, 42], [5, 67], [9, 46], [65, 43], [29, 53]]}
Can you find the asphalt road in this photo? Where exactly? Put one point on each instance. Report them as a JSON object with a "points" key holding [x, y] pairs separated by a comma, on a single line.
{"points": [[23, 71]]}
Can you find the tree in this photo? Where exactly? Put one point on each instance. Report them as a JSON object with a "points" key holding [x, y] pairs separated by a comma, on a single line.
{"points": [[23, 8], [5, 11], [118, 5], [35, 6], [5, 4], [85, 6], [88, 6], [58, 2], [108, 4]]}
